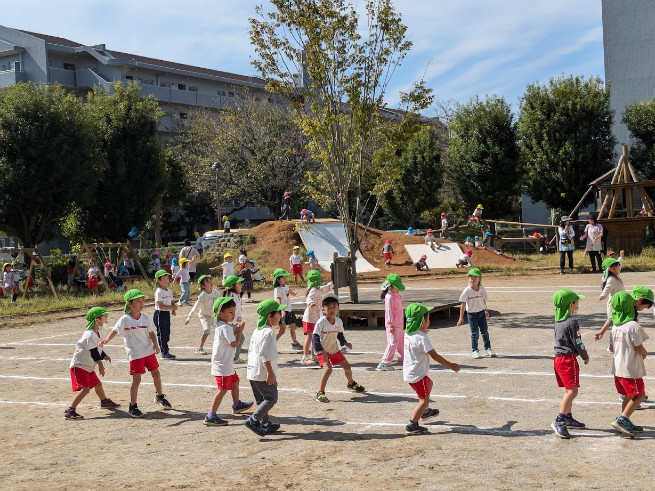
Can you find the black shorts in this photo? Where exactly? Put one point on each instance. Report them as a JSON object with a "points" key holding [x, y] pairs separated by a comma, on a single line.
{"points": [[289, 318]]}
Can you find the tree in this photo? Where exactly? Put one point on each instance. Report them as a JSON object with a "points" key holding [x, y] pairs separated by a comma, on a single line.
{"points": [[49, 158], [565, 131], [345, 66], [484, 157], [640, 120], [175, 190]]}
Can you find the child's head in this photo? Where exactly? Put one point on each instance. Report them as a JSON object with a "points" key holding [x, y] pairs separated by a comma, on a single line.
{"points": [[469, 252], [92, 263], [566, 304], [269, 313], [643, 297], [243, 251], [313, 279], [233, 283], [175, 262], [205, 282], [417, 317], [163, 278], [96, 317], [612, 266], [247, 264], [296, 250], [423, 258], [474, 277], [227, 257], [393, 283], [184, 262], [225, 309], [330, 306], [443, 214], [134, 302], [623, 308], [24, 267], [388, 241], [6, 267], [280, 277]]}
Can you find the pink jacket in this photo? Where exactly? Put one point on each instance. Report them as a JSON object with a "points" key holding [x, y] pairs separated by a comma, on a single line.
{"points": [[393, 310]]}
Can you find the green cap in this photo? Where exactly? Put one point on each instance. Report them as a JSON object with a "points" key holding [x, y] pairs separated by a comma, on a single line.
{"points": [[131, 295], [642, 292], [414, 316], [314, 278], [280, 272], [266, 307], [161, 273], [93, 314], [562, 301], [232, 280], [393, 280], [221, 301], [475, 272], [610, 261], [623, 308], [203, 277]]}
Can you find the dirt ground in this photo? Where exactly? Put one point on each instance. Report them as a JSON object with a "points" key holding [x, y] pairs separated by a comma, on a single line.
{"points": [[493, 430]]}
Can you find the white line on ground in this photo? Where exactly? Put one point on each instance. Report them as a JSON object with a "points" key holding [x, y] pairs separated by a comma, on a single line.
{"points": [[25, 341], [35, 403]]}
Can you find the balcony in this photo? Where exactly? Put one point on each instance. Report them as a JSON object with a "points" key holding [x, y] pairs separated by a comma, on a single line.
{"points": [[60, 76], [11, 77]]}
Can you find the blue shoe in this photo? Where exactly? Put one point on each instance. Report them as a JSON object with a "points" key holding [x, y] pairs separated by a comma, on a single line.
{"points": [[255, 426], [269, 427], [572, 423], [215, 421], [560, 429], [623, 425], [240, 406], [168, 356]]}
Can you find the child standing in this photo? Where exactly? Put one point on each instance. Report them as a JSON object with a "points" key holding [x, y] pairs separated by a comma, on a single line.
{"points": [[226, 224], [93, 276], [164, 307], [477, 241], [281, 295], [416, 364], [227, 266], [225, 340], [156, 261], [82, 368], [474, 300], [8, 280], [185, 277], [393, 320], [262, 367], [327, 331], [387, 252], [568, 346], [295, 260], [205, 305], [248, 284], [628, 362], [476, 216], [141, 346], [233, 290], [444, 226], [243, 258], [315, 292], [313, 262], [175, 267], [612, 284]]}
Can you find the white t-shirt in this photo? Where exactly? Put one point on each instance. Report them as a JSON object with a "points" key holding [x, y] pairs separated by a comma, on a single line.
{"points": [[295, 259], [135, 334], [315, 296], [93, 271], [226, 224], [429, 238], [165, 296], [416, 362], [444, 223], [205, 303], [262, 348], [243, 258], [82, 355], [222, 352], [475, 301], [465, 259], [282, 292], [328, 334], [627, 363], [228, 269], [238, 313], [184, 275]]}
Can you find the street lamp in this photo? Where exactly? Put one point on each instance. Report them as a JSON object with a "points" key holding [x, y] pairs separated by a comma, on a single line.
{"points": [[216, 166]]}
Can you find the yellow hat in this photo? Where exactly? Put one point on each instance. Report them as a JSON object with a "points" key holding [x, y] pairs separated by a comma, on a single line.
{"points": [[481, 207], [226, 255], [296, 247], [183, 261]]}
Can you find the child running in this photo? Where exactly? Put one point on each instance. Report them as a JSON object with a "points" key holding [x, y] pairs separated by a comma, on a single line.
{"points": [[327, 331], [295, 261], [568, 346], [233, 290], [262, 367], [141, 346], [185, 277], [225, 340], [416, 364], [164, 307], [474, 300], [281, 295], [387, 252], [227, 266], [393, 320], [205, 306], [8, 280], [315, 292], [87, 355]]}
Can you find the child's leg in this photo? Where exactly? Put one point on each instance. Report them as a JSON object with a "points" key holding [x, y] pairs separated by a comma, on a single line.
{"points": [[485, 331], [347, 371], [292, 331], [203, 338], [306, 345], [387, 357], [216, 401], [134, 389], [249, 293], [327, 371], [100, 391], [235, 392], [283, 327], [268, 393], [630, 404], [420, 409], [567, 400], [81, 394], [156, 379], [475, 330], [400, 343]]}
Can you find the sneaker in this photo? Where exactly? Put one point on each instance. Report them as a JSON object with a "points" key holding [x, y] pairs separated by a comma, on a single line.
{"points": [[429, 413], [240, 406], [306, 361], [161, 400], [200, 351], [269, 427], [623, 425], [635, 428], [240, 360], [355, 386], [70, 413], [476, 354], [321, 397], [383, 367], [344, 349], [255, 426], [490, 353], [296, 345], [215, 421], [134, 411], [572, 423], [168, 356], [108, 403], [415, 429], [560, 429]]}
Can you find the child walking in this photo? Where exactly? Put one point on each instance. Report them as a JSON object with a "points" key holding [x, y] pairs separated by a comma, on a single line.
{"points": [[393, 320], [281, 295], [387, 252], [568, 346], [87, 355], [233, 284], [93, 276], [248, 284], [227, 266], [416, 364], [185, 277], [141, 346], [205, 306], [312, 262], [612, 284], [164, 308], [295, 261], [225, 340], [315, 292], [474, 300], [262, 367]]}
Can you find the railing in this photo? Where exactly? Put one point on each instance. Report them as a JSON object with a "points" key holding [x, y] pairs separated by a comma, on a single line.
{"points": [[61, 76], [11, 77]]}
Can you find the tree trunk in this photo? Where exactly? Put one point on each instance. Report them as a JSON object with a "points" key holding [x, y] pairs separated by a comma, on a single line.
{"points": [[157, 225], [354, 292]]}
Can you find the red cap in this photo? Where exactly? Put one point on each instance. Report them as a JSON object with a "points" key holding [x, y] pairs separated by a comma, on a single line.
{"points": [[424, 256], [443, 214], [469, 252], [429, 230]]}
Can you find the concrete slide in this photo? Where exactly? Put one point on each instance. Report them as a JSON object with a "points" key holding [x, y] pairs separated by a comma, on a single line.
{"points": [[442, 257], [327, 238]]}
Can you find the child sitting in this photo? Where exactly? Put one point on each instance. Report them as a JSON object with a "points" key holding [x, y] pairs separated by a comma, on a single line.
{"points": [[422, 264], [468, 242], [429, 238]]}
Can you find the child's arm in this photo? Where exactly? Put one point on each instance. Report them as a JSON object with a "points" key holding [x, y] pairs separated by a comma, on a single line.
{"points": [[193, 309], [641, 350], [153, 338], [442, 361], [220, 266], [576, 339], [292, 292], [600, 333], [110, 336], [342, 340], [486, 309], [462, 308], [270, 375], [237, 334]]}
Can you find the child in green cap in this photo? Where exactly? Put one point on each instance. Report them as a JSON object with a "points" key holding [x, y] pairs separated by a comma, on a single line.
{"points": [[474, 301], [164, 308], [312, 314], [393, 320], [204, 305], [281, 294], [139, 335], [612, 284], [416, 364], [262, 367], [568, 345], [89, 353], [233, 285]]}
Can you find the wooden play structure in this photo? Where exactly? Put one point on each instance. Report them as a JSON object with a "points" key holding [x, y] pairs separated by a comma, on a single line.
{"points": [[36, 259], [102, 252]]}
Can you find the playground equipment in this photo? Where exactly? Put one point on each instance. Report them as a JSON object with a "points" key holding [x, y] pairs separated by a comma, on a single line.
{"points": [[36, 259], [103, 252]]}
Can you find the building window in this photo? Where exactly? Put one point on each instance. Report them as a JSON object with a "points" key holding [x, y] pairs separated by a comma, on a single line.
{"points": [[184, 115], [148, 81], [14, 65], [129, 77], [69, 66], [181, 87], [221, 93], [230, 95], [165, 84], [193, 88]]}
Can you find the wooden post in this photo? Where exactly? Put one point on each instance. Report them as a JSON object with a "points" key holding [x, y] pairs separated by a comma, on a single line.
{"points": [[615, 178], [27, 280]]}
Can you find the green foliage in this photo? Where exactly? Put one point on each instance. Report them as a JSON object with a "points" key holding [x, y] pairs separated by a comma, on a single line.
{"points": [[640, 120], [484, 157], [565, 137]]}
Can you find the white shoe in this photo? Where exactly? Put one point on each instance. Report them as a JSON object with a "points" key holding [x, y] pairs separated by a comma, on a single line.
{"points": [[490, 353], [306, 361], [200, 351], [476, 354]]}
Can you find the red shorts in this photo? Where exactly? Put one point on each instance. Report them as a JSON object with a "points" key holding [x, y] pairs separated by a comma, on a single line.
{"points": [[387, 255], [226, 383], [296, 269], [307, 327], [140, 365], [422, 387], [629, 387], [335, 359], [567, 371], [93, 282], [80, 378]]}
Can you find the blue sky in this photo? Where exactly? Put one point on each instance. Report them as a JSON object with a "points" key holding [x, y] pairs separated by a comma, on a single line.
{"points": [[463, 47]]}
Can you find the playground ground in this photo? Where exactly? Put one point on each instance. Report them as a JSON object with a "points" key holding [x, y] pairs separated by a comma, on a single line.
{"points": [[493, 430]]}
